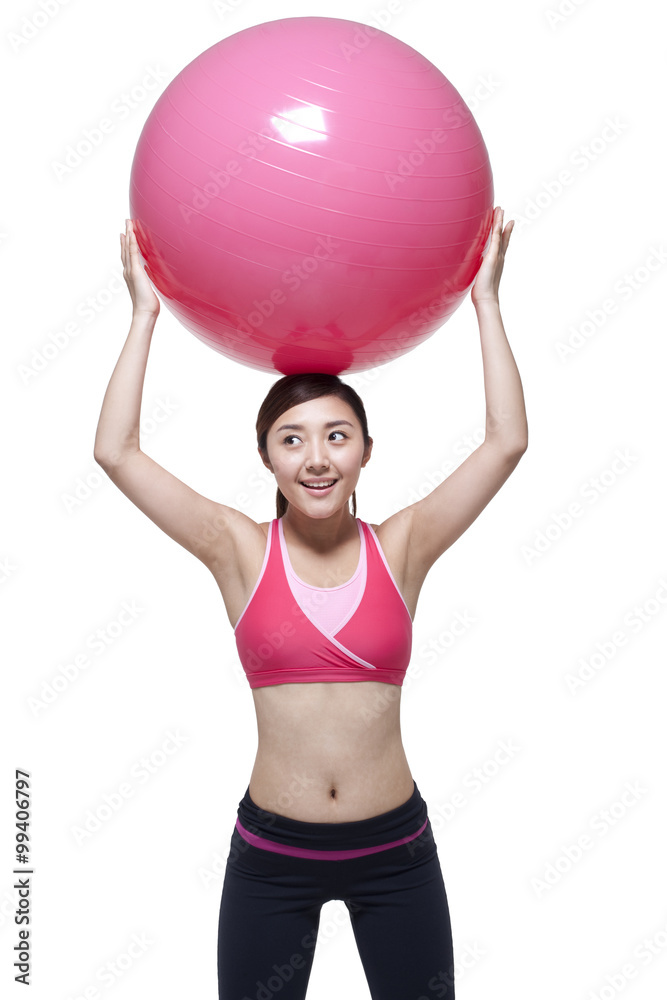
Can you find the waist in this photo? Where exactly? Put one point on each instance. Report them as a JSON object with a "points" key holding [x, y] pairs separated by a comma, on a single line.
{"points": [[329, 752], [332, 841]]}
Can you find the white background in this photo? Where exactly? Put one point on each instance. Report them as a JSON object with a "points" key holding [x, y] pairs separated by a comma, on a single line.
{"points": [[527, 921]]}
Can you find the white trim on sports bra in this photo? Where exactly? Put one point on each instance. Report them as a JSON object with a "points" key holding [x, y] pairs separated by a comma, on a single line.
{"points": [[259, 578]]}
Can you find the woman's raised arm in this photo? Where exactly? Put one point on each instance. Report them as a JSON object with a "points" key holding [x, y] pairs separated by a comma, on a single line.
{"points": [[436, 521], [118, 427], [202, 526]]}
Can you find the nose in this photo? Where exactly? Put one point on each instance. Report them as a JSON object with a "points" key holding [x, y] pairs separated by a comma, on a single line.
{"points": [[318, 460]]}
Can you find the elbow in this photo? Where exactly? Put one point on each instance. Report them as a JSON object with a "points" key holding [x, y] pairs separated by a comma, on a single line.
{"points": [[511, 448], [511, 455], [102, 453], [102, 459], [519, 447], [101, 449], [508, 436], [113, 452], [517, 443], [515, 453], [107, 459]]}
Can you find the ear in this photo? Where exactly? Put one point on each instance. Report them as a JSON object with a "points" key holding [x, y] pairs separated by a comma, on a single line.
{"points": [[367, 452], [265, 461]]}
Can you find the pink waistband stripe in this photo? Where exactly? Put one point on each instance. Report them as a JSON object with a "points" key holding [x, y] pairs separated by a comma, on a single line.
{"points": [[304, 852]]}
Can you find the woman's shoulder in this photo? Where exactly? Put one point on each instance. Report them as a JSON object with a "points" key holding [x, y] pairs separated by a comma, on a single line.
{"points": [[393, 531], [393, 536], [249, 539]]}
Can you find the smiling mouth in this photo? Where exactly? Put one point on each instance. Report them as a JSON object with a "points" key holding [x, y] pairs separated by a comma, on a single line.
{"points": [[320, 485]]}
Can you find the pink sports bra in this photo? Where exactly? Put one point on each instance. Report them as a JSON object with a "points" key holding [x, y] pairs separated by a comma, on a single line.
{"points": [[293, 633]]}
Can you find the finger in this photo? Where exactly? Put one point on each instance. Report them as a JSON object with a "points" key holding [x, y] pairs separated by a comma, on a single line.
{"points": [[135, 243], [508, 232], [134, 246], [493, 235], [126, 249]]}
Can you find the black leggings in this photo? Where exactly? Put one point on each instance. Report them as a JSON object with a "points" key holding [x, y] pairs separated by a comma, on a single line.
{"points": [[271, 901]]}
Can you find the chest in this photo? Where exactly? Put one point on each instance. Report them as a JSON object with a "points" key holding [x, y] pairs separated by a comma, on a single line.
{"points": [[330, 570]]}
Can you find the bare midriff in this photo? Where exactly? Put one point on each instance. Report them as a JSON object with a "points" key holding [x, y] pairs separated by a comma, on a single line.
{"points": [[329, 753]]}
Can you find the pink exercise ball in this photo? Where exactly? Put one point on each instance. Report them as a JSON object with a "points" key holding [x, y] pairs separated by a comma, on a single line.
{"points": [[311, 194]]}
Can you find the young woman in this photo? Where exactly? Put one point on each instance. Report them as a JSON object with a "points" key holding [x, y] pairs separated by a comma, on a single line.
{"points": [[321, 601]]}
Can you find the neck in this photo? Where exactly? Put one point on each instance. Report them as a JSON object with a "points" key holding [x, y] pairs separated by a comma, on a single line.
{"points": [[321, 533]]}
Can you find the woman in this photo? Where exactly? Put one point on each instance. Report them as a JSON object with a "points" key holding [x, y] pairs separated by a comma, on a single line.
{"points": [[321, 601]]}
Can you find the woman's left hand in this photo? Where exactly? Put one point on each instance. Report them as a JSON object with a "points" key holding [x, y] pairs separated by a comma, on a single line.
{"points": [[488, 277]]}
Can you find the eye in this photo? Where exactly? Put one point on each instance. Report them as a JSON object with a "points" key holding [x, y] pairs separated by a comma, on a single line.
{"points": [[294, 437]]}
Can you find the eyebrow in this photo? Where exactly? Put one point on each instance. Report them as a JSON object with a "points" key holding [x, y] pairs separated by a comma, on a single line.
{"points": [[300, 427]]}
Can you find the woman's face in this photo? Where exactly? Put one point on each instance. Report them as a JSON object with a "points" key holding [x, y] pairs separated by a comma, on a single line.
{"points": [[317, 441]]}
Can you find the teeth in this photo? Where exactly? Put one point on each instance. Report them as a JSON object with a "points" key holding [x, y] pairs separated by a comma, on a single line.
{"points": [[326, 482]]}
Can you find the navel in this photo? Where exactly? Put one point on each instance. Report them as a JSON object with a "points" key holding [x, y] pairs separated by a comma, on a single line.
{"points": [[332, 793]]}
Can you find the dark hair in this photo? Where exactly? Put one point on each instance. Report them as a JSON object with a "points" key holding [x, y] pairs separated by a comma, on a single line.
{"points": [[291, 390]]}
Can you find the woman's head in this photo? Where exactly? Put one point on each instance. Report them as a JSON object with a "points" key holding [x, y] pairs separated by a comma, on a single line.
{"points": [[313, 427]]}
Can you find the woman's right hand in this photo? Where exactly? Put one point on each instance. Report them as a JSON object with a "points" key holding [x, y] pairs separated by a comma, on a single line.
{"points": [[144, 299]]}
